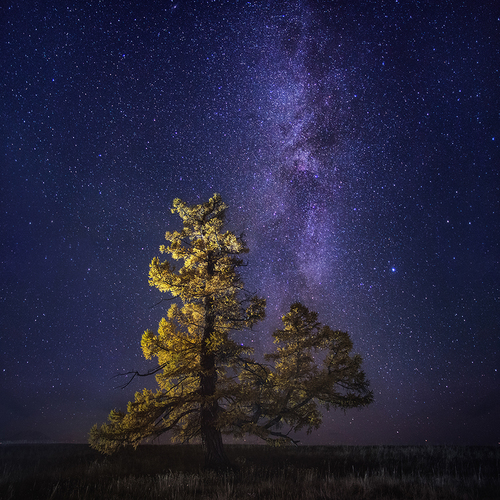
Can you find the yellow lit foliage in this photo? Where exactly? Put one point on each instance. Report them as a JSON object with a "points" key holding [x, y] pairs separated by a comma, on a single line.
{"points": [[195, 333], [313, 367]]}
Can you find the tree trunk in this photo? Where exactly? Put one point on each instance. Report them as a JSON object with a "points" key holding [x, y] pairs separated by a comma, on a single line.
{"points": [[215, 456], [211, 436]]}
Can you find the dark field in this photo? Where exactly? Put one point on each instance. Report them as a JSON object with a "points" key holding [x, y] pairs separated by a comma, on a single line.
{"points": [[65, 471]]}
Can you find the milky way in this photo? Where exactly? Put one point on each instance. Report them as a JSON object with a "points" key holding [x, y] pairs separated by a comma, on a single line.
{"points": [[356, 144], [304, 121]]}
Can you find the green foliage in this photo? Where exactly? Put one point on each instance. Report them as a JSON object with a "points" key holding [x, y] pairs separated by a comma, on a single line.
{"points": [[313, 368], [209, 383]]}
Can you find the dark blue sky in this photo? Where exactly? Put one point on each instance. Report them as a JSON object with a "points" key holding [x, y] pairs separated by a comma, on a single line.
{"points": [[356, 144]]}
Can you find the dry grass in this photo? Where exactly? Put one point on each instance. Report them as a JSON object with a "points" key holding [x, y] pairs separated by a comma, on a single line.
{"points": [[174, 472]]}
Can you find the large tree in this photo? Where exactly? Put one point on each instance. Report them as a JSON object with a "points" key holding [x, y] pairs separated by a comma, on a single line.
{"points": [[312, 368], [208, 382]]}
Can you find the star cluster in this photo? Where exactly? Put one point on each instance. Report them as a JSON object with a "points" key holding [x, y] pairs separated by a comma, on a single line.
{"points": [[356, 144]]}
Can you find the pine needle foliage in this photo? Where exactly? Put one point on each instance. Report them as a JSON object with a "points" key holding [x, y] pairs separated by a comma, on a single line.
{"points": [[312, 368]]}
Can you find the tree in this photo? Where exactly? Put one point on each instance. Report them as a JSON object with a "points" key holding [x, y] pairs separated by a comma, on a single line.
{"points": [[291, 393], [208, 382], [197, 359]]}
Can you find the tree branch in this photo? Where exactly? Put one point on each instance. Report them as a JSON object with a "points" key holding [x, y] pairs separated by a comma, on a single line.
{"points": [[137, 374]]}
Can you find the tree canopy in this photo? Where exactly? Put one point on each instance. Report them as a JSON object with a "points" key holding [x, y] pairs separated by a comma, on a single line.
{"points": [[208, 382]]}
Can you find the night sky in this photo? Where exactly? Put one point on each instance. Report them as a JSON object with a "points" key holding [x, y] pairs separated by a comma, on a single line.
{"points": [[356, 144]]}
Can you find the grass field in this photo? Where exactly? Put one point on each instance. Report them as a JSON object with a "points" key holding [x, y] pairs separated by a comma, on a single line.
{"points": [[66, 471]]}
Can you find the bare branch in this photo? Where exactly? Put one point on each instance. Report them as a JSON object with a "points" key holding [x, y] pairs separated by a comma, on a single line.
{"points": [[162, 300], [137, 374]]}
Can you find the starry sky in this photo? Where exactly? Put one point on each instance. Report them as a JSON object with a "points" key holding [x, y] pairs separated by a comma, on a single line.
{"points": [[356, 144]]}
